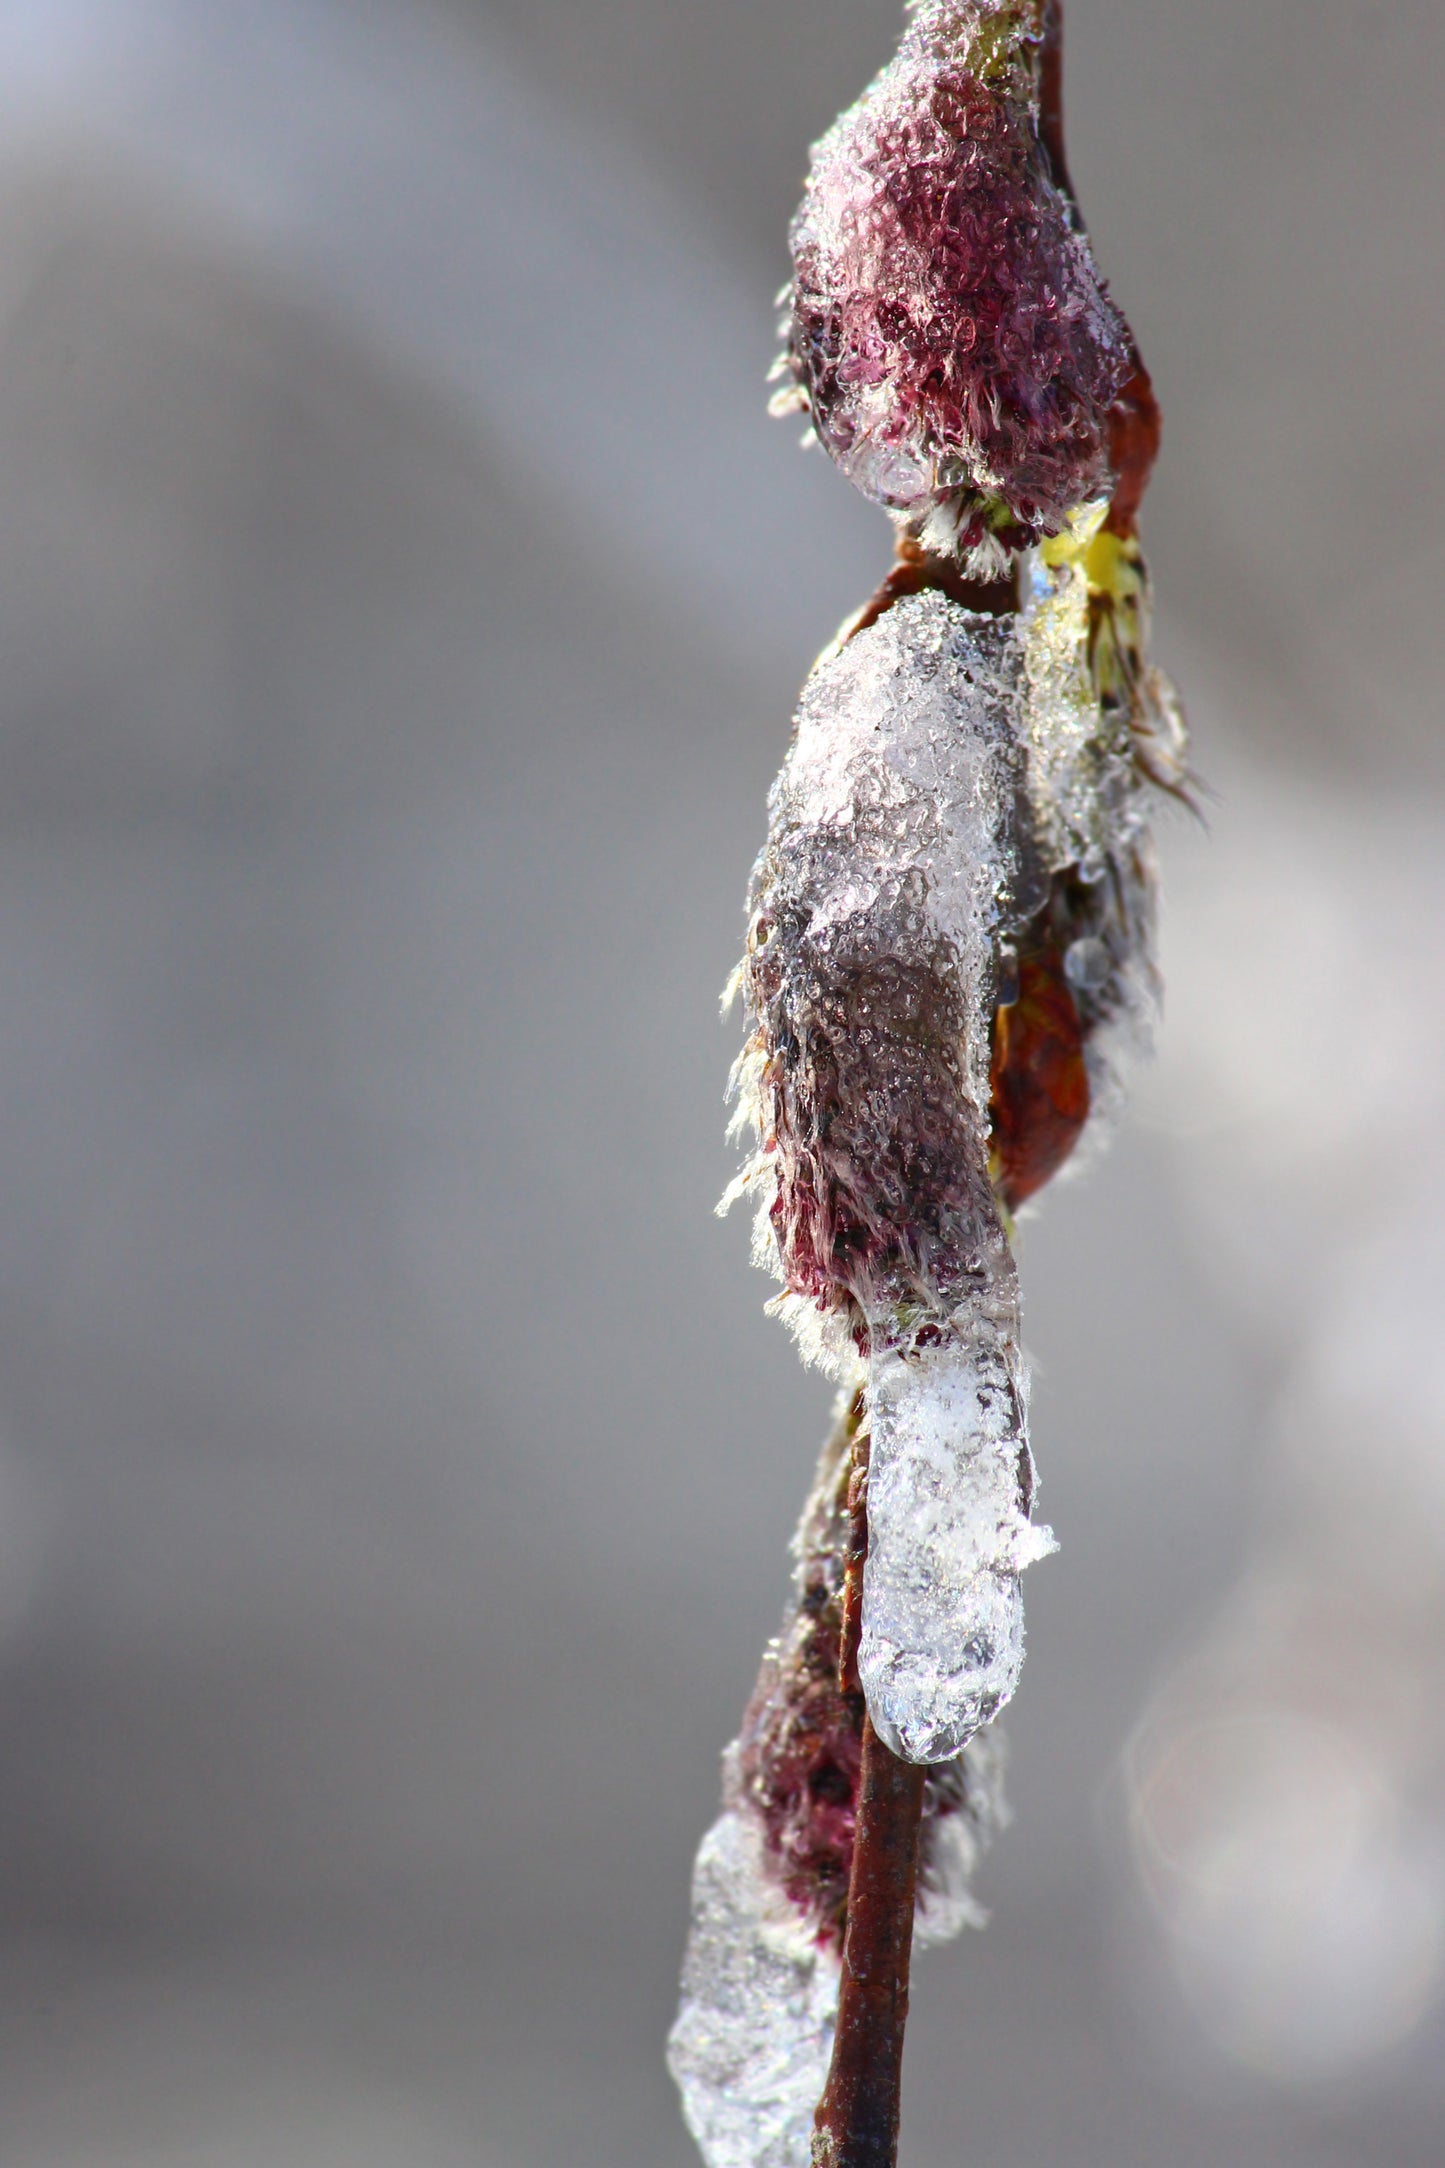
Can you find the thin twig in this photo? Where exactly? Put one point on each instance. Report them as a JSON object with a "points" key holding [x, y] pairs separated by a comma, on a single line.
{"points": [[857, 2121]]}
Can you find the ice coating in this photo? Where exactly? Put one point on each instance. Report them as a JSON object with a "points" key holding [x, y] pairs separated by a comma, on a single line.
{"points": [[878, 909], [957, 850], [950, 1481], [951, 336], [796, 1764], [749, 2049]]}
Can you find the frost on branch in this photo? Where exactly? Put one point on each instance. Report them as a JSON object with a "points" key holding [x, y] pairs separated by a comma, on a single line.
{"points": [[950, 334]]}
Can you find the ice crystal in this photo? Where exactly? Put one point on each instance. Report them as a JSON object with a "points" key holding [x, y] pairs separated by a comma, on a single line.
{"points": [[950, 334], [1082, 789], [1100, 719]]}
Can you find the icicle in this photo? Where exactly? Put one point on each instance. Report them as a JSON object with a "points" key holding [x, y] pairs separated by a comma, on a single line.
{"points": [[950, 1481]]}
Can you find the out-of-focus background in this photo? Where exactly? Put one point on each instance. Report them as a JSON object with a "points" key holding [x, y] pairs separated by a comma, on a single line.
{"points": [[402, 600]]}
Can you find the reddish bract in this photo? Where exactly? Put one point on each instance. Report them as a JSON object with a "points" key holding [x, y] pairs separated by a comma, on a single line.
{"points": [[1040, 1085]]}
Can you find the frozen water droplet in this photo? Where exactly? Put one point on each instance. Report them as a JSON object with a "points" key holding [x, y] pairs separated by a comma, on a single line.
{"points": [[888, 473], [1087, 964]]}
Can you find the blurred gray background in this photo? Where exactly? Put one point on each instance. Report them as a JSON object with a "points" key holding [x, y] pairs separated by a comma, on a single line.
{"points": [[402, 600]]}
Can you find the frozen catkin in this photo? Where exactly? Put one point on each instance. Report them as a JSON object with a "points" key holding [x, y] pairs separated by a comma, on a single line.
{"points": [[949, 952], [754, 2031], [950, 335], [881, 909]]}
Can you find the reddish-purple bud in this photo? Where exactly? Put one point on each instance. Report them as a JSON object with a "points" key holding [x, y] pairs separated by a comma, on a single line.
{"points": [[951, 336]]}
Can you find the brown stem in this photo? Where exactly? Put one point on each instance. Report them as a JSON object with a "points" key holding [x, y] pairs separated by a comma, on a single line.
{"points": [[1134, 447], [855, 1556], [918, 570], [1051, 97], [857, 2120], [1134, 418]]}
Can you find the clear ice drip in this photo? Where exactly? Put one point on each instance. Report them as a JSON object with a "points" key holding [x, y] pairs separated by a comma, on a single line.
{"points": [[754, 2032], [949, 1485]]}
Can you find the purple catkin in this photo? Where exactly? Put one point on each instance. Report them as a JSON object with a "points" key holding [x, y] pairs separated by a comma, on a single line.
{"points": [[801, 1741], [951, 336]]}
